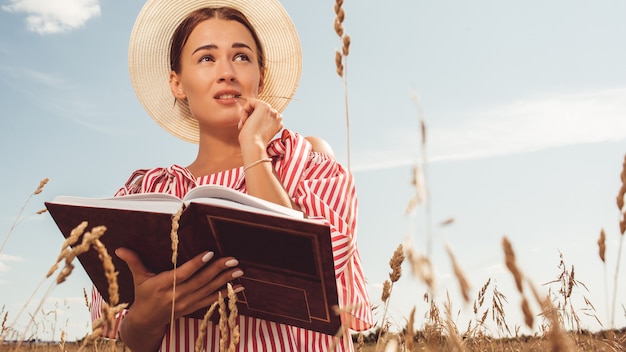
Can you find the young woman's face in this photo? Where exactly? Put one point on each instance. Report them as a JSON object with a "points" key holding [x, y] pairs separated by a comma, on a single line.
{"points": [[219, 68]]}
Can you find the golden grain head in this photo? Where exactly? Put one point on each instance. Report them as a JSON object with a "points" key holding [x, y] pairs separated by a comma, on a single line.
{"points": [[509, 255], [86, 297], [410, 331], [339, 63], [42, 183], [481, 293], [346, 45], [622, 190], [4, 321], [109, 271], [232, 318], [462, 280], [203, 327], [338, 27], [223, 323], [528, 315], [386, 291], [174, 234], [341, 15], [484, 317], [602, 245], [422, 268], [448, 221], [74, 235], [396, 264]]}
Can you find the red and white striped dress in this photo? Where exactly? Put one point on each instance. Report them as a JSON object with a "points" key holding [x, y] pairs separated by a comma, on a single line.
{"points": [[323, 189]]}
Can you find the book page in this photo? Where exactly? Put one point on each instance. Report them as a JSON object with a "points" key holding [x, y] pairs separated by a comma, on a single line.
{"points": [[150, 202], [201, 194]]}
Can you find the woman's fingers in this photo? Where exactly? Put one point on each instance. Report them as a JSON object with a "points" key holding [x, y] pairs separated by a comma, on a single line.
{"points": [[198, 283], [209, 293], [258, 124], [197, 274], [257, 107], [137, 268], [201, 289], [212, 275]]}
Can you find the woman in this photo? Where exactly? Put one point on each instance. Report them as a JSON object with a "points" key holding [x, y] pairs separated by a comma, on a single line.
{"points": [[233, 66]]}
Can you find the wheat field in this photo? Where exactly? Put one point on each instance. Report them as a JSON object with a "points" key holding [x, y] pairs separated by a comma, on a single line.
{"points": [[558, 320]]}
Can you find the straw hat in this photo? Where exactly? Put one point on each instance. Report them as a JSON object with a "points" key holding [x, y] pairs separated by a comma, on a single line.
{"points": [[148, 57]]}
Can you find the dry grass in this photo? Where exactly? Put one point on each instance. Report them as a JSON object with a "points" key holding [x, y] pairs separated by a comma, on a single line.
{"points": [[559, 330]]}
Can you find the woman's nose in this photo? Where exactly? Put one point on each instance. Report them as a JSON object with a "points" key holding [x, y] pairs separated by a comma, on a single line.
{"points": [[227, 73]]}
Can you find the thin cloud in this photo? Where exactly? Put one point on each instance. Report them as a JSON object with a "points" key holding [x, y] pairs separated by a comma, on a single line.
{"points": [[58, 16], [38, 78], [38, 84], [4, 258], [534, 124], [519, 127]]}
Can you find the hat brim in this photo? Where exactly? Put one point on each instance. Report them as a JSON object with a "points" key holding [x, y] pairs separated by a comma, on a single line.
{"points": [[148, 57]]}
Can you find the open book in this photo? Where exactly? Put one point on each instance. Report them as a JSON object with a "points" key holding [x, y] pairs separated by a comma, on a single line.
{"points": [[287, 260]]}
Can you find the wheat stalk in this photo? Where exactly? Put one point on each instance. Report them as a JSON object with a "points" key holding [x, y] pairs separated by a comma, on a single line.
{"points": [[174, 243], [478, 303], [558, 338], [622, 228], [409, 338], [421, 267], [223, 323], [19, 218], [509, 255], [341, 63], [344, 329], [395, 263], [451, 329], [458, 273], [497, 311], [602, 254], [232, 318], [203, 327], [69, 251], [422, 194]]}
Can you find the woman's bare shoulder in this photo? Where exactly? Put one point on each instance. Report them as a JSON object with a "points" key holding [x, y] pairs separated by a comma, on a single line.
{"points": [[320, 145]]}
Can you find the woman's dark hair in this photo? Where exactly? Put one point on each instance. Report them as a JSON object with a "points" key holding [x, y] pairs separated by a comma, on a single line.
{"points": [[181, 35]]}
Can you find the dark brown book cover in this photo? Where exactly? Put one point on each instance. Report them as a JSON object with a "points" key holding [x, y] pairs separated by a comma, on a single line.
{"points": [[288, 266]]}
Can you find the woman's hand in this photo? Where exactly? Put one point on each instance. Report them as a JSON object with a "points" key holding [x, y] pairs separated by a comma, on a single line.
{"points": [[259, 123], [197, 286]]}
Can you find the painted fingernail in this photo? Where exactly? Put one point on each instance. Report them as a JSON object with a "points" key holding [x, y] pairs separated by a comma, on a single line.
{"points": [[239, 289], [231, 263], [207, 256], [237, 274]]}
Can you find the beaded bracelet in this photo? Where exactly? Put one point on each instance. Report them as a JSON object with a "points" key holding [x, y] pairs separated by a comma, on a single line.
{"points": [[265, 160]]}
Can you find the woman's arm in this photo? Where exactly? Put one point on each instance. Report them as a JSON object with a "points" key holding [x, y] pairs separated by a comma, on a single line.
{"points": [[259, 124]]}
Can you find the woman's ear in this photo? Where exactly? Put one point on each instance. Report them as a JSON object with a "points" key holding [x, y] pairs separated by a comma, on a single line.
{"points": [[177, 87]]}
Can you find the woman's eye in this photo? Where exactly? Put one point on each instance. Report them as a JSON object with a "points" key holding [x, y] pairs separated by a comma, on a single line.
{"points": [[242, 57], [206, 58]]}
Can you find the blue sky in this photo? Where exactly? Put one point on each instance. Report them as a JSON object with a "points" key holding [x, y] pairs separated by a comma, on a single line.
{"points": [[524, 102]]}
